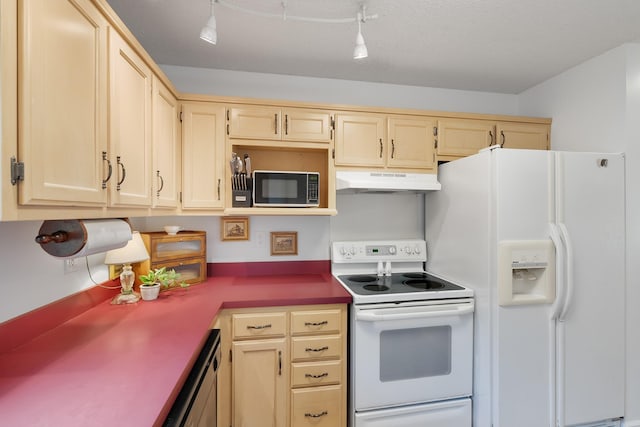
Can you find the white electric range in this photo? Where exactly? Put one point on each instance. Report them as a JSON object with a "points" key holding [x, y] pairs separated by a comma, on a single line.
{"points": [[411, 340]]}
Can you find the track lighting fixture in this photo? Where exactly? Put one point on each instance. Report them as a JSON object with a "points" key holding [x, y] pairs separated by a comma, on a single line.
{"points": [[209, 33], [360, 50]]}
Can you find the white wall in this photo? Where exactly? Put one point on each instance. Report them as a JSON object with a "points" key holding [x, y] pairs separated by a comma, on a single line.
{"points": [[596, 107], [333, 91]]}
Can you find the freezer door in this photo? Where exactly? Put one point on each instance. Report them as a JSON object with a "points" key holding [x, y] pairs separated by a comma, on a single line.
{"points": [[590, 363]]}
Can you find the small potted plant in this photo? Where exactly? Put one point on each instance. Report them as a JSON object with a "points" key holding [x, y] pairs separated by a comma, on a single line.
{"points": [[156, 279]]}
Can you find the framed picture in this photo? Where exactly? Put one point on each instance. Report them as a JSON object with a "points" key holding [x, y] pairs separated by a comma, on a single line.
{"points": [[235, 228], [284, 243]]}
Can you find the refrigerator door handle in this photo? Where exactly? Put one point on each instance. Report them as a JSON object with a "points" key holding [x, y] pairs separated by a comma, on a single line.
{"points": [[569, 267], [554, 233]]}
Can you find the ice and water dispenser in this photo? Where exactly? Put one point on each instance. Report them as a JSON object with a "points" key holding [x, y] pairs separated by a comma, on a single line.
{"points": [[527, 273]]}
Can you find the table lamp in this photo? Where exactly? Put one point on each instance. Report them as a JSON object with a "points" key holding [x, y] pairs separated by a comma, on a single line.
{"points": [[134, 251]]}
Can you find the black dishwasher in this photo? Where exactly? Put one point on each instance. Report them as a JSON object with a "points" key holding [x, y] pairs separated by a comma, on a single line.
{"points": [[196, 403]]}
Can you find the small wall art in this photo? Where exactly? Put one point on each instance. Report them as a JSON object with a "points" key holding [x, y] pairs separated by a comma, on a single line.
{"points": [[284, 243], [234, 228]]}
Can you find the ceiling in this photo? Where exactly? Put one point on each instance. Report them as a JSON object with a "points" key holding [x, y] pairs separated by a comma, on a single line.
{"points": [[503, 46]]}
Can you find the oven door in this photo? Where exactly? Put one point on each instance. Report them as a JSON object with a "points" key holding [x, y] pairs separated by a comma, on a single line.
{"points": [[411, 352]]}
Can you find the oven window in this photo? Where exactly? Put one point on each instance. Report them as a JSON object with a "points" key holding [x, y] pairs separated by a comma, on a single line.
{"points": [[415, 353]]}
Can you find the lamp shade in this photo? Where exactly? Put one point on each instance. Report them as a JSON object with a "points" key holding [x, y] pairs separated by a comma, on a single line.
{"points": [[134, 251], [209, 31]]}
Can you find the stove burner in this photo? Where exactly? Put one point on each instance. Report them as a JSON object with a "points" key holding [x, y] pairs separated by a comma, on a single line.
{"points": [[424, 284], [376, 288], [363, 279], [415, 275]]}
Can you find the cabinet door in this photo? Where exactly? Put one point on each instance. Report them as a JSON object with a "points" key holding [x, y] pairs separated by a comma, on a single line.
{"points": [[260, 386], [130, 125], [360, 140], [307, 125], [533, 136], [63, 103], [254, 122], [202, 156], [166, 147], [461, 138], [411, 143]]}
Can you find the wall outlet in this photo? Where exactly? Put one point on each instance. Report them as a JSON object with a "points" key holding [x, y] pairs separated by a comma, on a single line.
{"points": [[71, 265]]}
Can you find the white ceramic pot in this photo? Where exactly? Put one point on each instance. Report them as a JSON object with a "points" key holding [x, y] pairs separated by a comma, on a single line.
{"points": [[150, 293]]}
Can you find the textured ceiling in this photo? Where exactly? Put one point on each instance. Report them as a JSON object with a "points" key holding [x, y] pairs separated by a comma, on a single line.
{"points": [[504, 46]]}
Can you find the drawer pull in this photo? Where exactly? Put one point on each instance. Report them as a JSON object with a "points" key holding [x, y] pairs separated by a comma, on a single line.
{"points": [[321, 414], [259, 327], [324, 374], [324, 322], [317, 349]]}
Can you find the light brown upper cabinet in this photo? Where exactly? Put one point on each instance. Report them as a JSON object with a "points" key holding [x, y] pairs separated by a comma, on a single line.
{"points": [[274, 123], [202, 155], [458, 138], [62, 103], [361, 140], [130, 125], [166, 146], [463, 137], [411, 143], [533, 136]]}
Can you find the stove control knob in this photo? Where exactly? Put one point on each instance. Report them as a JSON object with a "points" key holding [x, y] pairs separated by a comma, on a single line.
{"points": [[392, 250], [417, 250], [408, 250], [342, 250], [352, 250]]}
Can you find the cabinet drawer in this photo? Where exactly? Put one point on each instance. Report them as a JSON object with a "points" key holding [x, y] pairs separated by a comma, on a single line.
{"points": [[309, 348], [318, 407], [320, 321], [190, 270], [259, 325], [172, 247], [316, 373]]}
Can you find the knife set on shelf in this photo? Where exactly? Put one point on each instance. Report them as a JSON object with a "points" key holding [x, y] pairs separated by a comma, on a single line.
{"points": [[241, 181]]}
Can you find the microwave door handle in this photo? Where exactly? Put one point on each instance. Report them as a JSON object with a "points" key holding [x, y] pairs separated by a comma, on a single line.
{"points": [[383, 315]]}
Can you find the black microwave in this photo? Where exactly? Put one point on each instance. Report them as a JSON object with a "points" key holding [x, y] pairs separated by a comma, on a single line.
{"points": [[286, 189]]}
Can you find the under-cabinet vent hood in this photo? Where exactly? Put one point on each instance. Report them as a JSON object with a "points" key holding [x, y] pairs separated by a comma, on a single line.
{"points": [[385, 182]]}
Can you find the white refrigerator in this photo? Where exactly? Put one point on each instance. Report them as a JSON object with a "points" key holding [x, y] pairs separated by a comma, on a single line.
{"points": [[540, 237]]}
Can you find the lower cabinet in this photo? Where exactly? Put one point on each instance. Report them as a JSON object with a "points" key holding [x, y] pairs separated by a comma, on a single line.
{"points": [[286, 366]]}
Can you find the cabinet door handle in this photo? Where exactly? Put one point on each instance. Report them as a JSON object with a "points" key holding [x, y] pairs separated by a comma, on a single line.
{"points": [[393, 148], [219, 188], [161, 183], [124, 172], [109, 169], [490, 138], [503, 138], [318, 415], [279, 363], [275, 123], [324, 322], [316, 350], [286, 124], [322, 375], [380, 147], [259, 326]]}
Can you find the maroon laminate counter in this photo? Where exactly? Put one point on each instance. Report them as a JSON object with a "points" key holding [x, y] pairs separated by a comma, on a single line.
{"points": [[124, 365]]}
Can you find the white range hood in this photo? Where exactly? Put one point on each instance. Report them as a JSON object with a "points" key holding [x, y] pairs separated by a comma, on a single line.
{"points": [[379, 181]]}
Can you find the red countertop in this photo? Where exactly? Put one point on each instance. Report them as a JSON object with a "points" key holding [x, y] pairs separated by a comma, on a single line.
{"points": [[124, 365]]}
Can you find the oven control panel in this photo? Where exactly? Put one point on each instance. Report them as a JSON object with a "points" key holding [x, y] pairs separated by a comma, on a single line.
{"points": [[410, 250]]}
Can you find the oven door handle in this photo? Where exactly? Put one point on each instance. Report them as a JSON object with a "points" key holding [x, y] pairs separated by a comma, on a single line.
{"points": [[393, 314]]}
